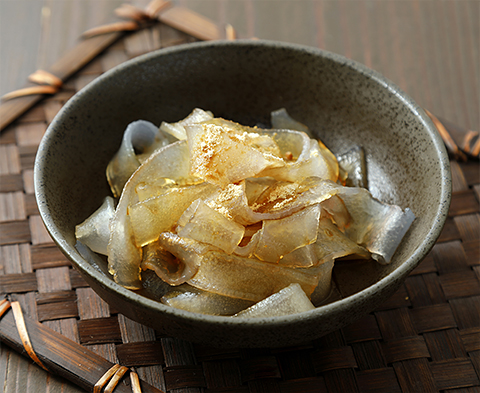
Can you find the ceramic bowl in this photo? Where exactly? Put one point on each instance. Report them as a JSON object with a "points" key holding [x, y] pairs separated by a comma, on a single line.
{"points": [[343, 102]]}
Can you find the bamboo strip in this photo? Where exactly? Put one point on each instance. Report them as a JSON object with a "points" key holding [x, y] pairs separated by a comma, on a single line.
{"points": [[62, 355], [70, 63], [180, 18]]}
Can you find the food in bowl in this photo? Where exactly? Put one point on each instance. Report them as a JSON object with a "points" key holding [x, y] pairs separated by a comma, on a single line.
{"points": [[241, 221]]}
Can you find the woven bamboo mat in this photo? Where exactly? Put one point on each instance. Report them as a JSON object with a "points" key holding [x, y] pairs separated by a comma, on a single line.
{"points": [[424, 338]]}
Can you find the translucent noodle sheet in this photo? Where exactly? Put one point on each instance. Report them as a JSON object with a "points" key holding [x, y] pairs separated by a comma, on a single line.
{"points": [[228, 215], [254, 280]]}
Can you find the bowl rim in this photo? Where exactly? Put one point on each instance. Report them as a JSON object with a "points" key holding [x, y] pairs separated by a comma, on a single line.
{"points": [[352, 300]]}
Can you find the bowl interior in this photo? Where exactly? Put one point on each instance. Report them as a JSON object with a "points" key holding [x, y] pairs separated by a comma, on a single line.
{"points": [[343, 103]]}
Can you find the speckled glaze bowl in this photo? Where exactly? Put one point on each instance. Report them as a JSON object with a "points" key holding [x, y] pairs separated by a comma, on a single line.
{"points": [[343, 102]]}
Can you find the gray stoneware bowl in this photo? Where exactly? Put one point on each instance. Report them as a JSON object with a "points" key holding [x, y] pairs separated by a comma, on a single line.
{"points": [[343, 102]]}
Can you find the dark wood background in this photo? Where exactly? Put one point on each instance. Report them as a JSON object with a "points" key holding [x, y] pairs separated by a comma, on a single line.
{"points": [[430, 48]]}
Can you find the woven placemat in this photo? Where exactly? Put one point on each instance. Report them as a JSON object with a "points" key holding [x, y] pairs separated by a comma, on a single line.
{"points": [[424, 338]]}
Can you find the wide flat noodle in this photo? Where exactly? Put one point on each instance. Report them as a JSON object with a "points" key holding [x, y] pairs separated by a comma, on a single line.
{"points": [[314, 159], [285, 198], [124, 256], [94, 232], [169, 268], [248, 245], [211, 144], [158, 214], [255, 186], [336, 210], [330, 244], [353, 162], [188, 298], [278, 199], [173, 258], [289, 300], [280, 237], [203, 224], [140, 137], [163, 185], [247, 278], [377, 226], [177, 129]]}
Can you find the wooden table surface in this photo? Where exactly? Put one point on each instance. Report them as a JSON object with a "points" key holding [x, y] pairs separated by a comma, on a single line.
{"points": [[429, 48]]}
